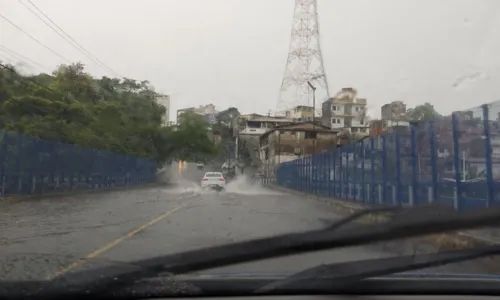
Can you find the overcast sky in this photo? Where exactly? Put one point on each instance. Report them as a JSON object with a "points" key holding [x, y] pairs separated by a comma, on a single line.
{"points": [[233, 52]]}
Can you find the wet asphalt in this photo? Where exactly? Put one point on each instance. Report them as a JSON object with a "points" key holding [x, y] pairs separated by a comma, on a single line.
{"points": [[41, 238]]}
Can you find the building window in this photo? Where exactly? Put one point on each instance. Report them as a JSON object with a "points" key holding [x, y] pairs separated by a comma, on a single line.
{"points": [[310, 135], [334, 108], [335, 121]]}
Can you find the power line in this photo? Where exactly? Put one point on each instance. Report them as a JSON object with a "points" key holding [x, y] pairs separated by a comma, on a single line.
{"points": [[11, 58], [14, 53], [33, 38], [27, 78], [68, 38], [27, 86]]}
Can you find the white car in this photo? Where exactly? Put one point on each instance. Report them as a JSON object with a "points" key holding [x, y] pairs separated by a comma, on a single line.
{"points": [[213, 179]]}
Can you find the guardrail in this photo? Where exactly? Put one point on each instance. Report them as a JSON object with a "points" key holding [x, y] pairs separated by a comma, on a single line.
{"points": [[453, 160], [30, 166]]}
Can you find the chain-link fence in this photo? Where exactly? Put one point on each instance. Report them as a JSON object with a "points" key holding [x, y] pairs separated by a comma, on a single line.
{"points": [[33, 166], [453, 160]]}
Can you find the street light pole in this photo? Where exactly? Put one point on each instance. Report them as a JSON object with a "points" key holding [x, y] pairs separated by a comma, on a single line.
{"points": [[314, 114]]}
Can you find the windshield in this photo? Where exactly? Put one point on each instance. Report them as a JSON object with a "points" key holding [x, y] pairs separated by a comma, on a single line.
{"points": [[213, 175], [111, 118]]}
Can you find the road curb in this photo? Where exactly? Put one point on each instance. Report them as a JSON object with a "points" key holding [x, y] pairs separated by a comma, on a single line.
{"points": [[440, 242], [14, 199]]}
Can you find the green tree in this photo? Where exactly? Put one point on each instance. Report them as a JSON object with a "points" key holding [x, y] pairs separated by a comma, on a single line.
{"points": [[226, 116], [190, 139], [222, 125], [118, 115], [420, 113]]}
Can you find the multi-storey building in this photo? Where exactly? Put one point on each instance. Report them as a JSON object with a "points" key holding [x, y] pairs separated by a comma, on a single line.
{"points": [[208, 111], [346, 111], [300, 113]]}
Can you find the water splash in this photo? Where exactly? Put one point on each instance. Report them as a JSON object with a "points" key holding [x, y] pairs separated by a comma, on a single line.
{"points": [[243, 185]]}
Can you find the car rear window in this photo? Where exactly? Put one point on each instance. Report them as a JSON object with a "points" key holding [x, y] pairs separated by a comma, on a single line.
{"points": [[213, 175]]}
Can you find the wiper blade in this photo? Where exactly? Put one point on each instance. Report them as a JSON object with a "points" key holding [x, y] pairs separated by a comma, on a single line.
{"points": [[359, 214], [289, 244], [347, 273]]}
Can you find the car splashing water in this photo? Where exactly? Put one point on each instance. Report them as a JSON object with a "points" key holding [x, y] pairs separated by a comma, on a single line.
{"points": [[186, 179]]}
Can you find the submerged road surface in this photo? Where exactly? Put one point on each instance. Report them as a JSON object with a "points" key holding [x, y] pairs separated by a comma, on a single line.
{"points": [[50, 237]]}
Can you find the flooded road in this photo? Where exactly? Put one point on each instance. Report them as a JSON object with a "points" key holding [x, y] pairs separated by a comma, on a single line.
{"points": [[50, 237]]}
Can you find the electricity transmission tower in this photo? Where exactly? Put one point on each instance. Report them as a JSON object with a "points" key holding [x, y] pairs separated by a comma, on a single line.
{"points": [[305, 62]]}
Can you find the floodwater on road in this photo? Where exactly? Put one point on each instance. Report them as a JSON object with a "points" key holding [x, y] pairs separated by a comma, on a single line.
{"points": [[50, 237]]}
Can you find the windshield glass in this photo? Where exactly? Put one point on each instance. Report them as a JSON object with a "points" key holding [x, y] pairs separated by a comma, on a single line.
{"points": [[213, 175], [109, 126]]}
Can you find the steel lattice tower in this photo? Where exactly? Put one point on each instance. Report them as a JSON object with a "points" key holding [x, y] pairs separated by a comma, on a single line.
{"points": [[305, 62]]}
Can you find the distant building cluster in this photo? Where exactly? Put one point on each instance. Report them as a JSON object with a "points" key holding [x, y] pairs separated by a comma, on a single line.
{"points": [[208, 111], [270, 140]]}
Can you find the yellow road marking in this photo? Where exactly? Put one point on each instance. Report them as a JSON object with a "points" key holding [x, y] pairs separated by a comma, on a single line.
{"points": [[110, 245]]}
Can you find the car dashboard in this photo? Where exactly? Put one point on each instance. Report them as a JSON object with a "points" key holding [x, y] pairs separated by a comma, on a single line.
{"points": [[345, 297], [377, 289]]}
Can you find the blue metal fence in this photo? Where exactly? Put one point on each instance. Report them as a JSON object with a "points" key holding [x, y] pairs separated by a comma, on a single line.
{"points": [[453, 160], [33, 166]]}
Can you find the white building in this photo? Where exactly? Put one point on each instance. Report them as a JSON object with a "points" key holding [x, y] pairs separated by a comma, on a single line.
{"points": [[165, 101], [300, 113], [346, 111], [208, 111]]}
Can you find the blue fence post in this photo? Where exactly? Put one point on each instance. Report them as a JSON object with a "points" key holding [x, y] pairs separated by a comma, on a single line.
{"points": [[64, 159], [354, 182], [295, 173], [326, 173], [301, 177], [310, 174], [314, 174], [397, 200], [3, 154], [342, 178], [372, 171], [322, 167], [18, 163], [363, 175], [298, 181], [487, 155], [306, 174], [384, 169], [348, 173], [398, 169], [301, 174], [35, 168], [334, 170], [329, 155], [432, 144], [414, 158], [456, 162]]}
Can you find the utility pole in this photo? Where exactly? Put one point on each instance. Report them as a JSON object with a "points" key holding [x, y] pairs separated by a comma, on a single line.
{"points": [[305, 61], [314, 114]]}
